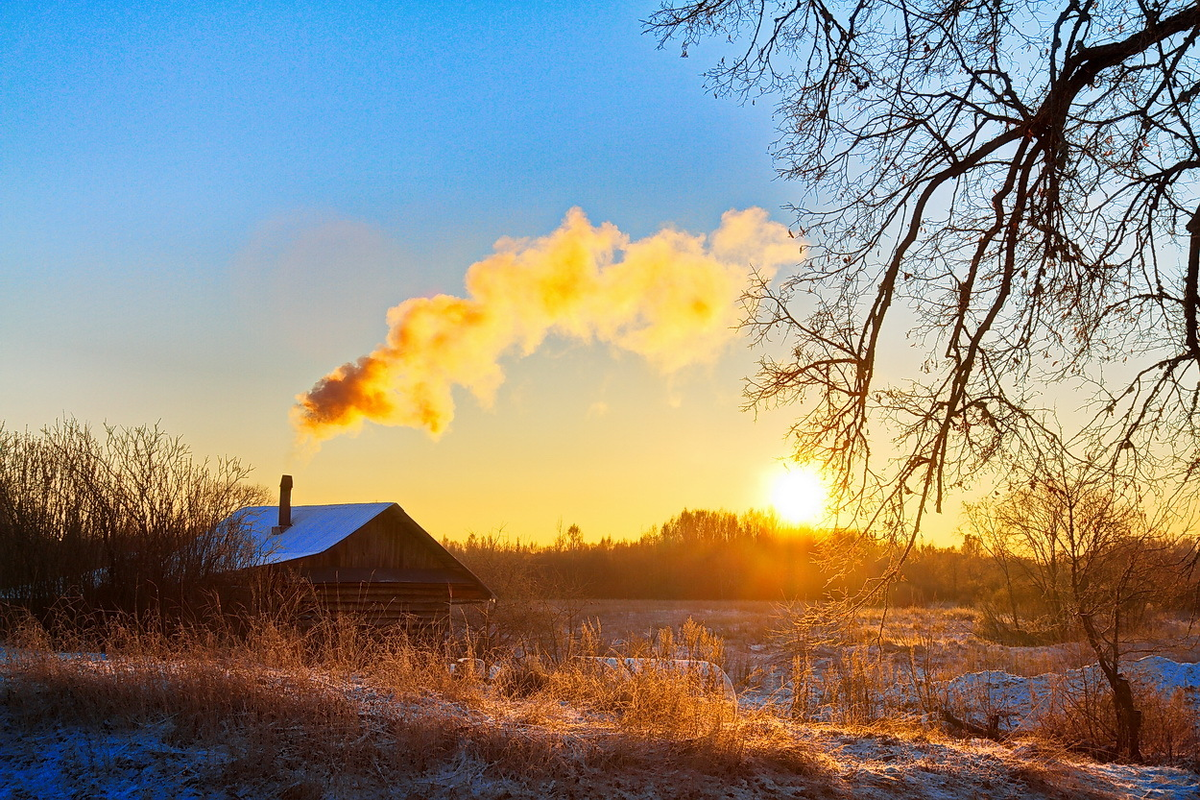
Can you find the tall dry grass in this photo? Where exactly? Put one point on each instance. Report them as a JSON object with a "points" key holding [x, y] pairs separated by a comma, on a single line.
{"points": [[285, 710], [894, 674], [336, 709]]}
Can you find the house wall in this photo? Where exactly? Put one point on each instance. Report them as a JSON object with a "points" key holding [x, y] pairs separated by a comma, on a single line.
{"points": [[357, 576], [419, 604]]}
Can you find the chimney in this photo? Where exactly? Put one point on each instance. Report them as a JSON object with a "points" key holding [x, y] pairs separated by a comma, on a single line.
{"points": [[285, 505]]}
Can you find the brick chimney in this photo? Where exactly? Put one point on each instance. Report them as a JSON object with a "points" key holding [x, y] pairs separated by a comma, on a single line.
{"points": [[285, 505]]}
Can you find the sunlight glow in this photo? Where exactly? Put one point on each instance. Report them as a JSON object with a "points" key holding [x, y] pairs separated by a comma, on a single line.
{"points": [[799, 495]]}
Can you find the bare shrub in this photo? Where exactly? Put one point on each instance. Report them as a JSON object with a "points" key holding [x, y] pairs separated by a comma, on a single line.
{"points": [[1082, 539], [124, 520], [1080, 716], [1170, 729]]}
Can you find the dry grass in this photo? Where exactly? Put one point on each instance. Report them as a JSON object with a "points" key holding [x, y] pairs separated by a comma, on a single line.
{"points": [[340, 711], [284, 712], [895, 671], [744, 626], [1082, 719]]}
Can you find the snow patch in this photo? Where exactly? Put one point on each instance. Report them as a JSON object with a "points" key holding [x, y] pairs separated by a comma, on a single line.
{"points": [[1014, 702]]}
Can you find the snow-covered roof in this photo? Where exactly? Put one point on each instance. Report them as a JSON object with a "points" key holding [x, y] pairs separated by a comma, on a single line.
{"points": [[314, 529]]}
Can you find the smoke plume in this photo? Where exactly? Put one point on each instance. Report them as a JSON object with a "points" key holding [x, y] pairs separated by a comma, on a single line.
{"points": [[671, 297]]}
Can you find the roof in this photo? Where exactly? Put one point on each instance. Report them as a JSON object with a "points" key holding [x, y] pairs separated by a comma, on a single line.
{"points": [[314, 529]]}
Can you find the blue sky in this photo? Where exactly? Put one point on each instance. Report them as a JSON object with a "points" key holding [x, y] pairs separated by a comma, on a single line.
{"points": [[205, 207]]}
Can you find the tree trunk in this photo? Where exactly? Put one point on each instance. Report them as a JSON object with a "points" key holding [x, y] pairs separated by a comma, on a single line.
{"points": [[1129, 718]]}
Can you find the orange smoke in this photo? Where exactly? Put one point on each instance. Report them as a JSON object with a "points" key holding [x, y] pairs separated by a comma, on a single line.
{"points": [[671, 297]]}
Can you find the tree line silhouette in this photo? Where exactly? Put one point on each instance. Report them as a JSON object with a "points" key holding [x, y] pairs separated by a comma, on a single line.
{"points": [[722, 555]]}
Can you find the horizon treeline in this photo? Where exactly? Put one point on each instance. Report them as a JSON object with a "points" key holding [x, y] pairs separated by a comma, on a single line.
{"points": [[721, 555], [125, 517]]}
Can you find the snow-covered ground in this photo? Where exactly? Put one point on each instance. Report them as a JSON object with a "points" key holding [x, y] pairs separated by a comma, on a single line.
{"points": [[66, 762], [57, 760], [1019, 702], [53, 758]]}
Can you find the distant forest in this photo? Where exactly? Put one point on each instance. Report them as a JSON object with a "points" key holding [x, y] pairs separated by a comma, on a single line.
{"points": [[720, 555]]}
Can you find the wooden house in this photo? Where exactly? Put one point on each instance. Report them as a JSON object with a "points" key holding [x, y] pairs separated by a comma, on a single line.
{"points": [[369, 560]]}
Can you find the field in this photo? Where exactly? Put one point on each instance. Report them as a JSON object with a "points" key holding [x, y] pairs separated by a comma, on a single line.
{"points": [[332, 713]]}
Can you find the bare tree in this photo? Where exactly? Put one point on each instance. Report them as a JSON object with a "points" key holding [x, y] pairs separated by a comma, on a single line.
{"points": [[1098, 564], [120, 519], [1011, 185]]}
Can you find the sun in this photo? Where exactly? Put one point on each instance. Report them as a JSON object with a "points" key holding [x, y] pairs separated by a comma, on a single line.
{"points": [[799, 495]]}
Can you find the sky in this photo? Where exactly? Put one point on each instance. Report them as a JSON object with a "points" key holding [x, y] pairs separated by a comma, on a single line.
{"points": [[207, 208]]}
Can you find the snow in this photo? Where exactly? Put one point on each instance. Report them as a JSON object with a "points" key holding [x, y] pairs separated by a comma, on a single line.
{"points": [[1166, 675], [1151, 783], [57, 760], [1018, 703], [75, 762]]}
